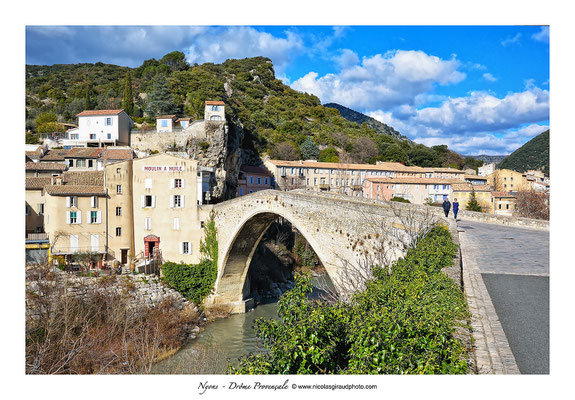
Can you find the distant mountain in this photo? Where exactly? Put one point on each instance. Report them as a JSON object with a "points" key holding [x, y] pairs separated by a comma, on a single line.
{"points": [[488, 159], [532, 155], [360, 118]]}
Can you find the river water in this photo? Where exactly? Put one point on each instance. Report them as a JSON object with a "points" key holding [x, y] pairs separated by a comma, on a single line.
{"points": [[222, 342]]}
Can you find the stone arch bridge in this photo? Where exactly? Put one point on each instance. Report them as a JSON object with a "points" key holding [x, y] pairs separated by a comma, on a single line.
{"points": [[343, 231]]}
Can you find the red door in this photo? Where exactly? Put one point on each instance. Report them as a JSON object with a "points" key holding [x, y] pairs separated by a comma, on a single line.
{"points": [[151, 244]]}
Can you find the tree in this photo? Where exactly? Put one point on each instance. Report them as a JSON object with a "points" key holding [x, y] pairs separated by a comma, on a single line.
{"points": [[395, 152], [423, 156], [88, 93], [128, 99], [176, 60], [364, 150], [328, 154], [532, 204], [284, 151], [473, 204], [309, 150], [160, 100]]}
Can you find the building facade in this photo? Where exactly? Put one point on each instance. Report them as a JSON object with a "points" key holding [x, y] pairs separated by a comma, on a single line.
{"points": [[416, 190], [214, 111], [100, 128], [253, 179], [503, 203], [464, 191], [486, 169], [506, 180]]}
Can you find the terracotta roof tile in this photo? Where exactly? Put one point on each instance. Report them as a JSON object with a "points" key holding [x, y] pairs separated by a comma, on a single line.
{"points": [[66, 190], [166, 117], [215, 103], [37, 183], [502, 194], [118, 154], [55, 155], [425, 181], [94, 178], [99, 112], [387, 166], [453, 170], [45, 166], [477, 177], [255, 170], [84, 152], [467, 187]]}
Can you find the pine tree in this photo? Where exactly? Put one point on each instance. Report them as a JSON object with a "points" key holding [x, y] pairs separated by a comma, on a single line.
{"points": [[160, 100], [128, 100], [473, 204], [309, 150]]}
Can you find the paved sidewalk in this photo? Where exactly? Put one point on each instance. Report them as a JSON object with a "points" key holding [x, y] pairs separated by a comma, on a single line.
{"points": [[506, 279]]}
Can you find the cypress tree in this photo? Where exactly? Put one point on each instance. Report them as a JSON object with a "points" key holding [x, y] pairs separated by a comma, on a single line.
{"points": [[473, 204], [128, 100]]}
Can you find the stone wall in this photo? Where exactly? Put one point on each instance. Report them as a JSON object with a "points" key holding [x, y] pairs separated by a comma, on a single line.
{"points": [[519, 222]]}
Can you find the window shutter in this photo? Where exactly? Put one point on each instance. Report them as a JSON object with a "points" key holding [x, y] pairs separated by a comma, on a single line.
{"points": [[171, 201], [88, 219], [79, 216], [68, 217], [189, 247], [99, 218], [182, 197], [181, 247], [176, 224], [154, 201], [68, 202], [172, 184], [143, 201], [182, 182]]}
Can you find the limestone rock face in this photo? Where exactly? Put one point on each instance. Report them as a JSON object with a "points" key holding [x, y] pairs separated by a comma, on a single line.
{"points": [[215, 145]]}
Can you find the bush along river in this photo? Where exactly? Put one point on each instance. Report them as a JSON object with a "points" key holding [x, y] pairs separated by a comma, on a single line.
{"points": [[225, 340]]}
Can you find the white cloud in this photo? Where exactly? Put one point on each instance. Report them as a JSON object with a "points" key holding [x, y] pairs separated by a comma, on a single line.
{"points": [[488, 77], [219, 44], [511, 40], [542, 35], [382, 81], [347, 58]]}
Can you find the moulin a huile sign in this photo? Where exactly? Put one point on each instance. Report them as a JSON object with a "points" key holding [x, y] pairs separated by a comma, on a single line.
{"points": [[162, 168]]}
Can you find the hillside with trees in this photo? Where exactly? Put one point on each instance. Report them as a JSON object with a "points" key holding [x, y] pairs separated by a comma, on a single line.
{"points": [[275, 119], [532, 155]]}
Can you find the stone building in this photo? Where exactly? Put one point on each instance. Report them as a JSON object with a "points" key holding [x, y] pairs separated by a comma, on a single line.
{"points": [[503, 203], [463, 192], [214, 111], [416, 190], [506, 180]]}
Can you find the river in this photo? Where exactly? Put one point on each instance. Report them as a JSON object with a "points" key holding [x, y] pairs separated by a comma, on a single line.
{"points": [[222, 342]]}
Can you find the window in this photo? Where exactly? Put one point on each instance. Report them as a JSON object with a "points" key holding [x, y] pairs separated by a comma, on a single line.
{"points": [[93, 217], [73, 217], [94, 202], [27, 209], [80, 163], [72, 201], [164, 123], [74, 136], [118, 170], [507, 206], [148, 223], [118, 189], [500, 206], [186, 248], [148, 201], [118, 211], [241, 191], [177, 201], [109, 136], [265, 181], [148, 183], [177, 183], [315, 181], [92, 136], [41, 208], [259, 181], [214, 108], [215, 118], [108, 122], [70, 163], [252, 180], [118, 231], [90, 163]]}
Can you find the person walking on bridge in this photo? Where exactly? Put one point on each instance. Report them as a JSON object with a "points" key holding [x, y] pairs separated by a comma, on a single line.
{"points": [[446, 206], [455, 208]]}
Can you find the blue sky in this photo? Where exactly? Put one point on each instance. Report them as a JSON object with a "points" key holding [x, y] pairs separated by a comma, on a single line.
{"points": [[478, 89]]}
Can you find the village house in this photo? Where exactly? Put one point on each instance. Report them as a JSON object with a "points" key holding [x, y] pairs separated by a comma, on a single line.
{"points": [[475, 179], [44, 169], [84, 159], [486, 169], [55, 155], [444, 173], [339, 177], [416, 190], [35, 203], [503, 203], [100, 128], [165, 123], [167, 221], [253, 179], [34, 152], [214, 111], [463, 193]]}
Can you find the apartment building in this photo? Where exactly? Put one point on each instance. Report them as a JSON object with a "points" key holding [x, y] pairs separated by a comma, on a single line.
{"points": [[166, 217], [506, 180], [35, 203], [486, 169], [339, 177], [475, 179], [445, 173], [253, 179]]}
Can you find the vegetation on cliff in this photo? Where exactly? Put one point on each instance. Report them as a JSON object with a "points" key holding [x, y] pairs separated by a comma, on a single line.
{"points": [[532, 155]]}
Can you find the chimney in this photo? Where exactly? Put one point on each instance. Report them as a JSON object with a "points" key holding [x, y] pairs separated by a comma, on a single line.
{"points": [[56, 180]]}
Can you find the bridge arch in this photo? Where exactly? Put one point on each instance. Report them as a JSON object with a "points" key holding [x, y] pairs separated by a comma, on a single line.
{"points": [[236, 255]]}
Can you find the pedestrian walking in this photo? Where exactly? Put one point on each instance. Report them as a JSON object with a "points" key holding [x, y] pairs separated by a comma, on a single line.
{"points": [[446, 206], [455, 208]]}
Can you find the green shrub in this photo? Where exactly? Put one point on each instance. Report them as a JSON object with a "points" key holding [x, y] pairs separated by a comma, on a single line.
{"points": [[400, 199], [194, 282], [403, 323]]}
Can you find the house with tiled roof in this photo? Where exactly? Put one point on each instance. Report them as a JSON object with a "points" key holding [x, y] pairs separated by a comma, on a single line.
{"points": [[35, 203], [252, 179], [165, 123], [84, 159], [464, 191], [214, 111], [40, 169], [503, 203], [55, 155], [416, 190], [100, 128]]}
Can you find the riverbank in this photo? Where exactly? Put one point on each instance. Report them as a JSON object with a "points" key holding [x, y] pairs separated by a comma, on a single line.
{"points": [[103, 325]]}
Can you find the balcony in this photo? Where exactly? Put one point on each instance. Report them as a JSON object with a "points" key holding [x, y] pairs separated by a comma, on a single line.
{"points": [[323, 186]]}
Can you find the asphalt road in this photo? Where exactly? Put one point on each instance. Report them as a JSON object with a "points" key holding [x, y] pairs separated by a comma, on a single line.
{"points": [[514, 265]]}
